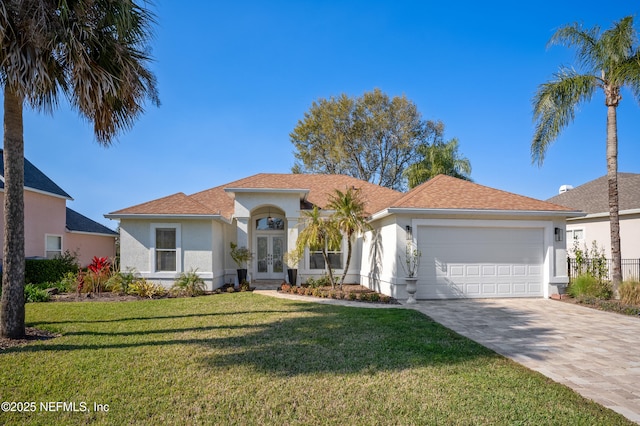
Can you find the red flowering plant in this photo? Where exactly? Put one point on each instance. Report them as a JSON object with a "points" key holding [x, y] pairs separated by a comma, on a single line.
{"points": [[98, 272]]}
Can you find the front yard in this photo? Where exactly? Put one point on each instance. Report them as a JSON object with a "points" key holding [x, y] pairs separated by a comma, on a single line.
{"points": [[243, 358]]}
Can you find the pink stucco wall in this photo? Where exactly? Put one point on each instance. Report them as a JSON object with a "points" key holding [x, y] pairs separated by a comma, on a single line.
{"points": [[87, 246], [43, 214]]}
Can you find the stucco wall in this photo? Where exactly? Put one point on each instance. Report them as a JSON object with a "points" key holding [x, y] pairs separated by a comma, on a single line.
{"points": [[43, 214], [87, 245], [598, 229], [200, 245], [381, 255]]}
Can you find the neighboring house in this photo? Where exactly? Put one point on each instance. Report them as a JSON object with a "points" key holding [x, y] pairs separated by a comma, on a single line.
{"points": [[475, 241], [50, 227], [593, 198]]}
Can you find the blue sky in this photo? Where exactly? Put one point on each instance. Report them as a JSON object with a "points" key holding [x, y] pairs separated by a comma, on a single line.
{"points": [[235, 78]]}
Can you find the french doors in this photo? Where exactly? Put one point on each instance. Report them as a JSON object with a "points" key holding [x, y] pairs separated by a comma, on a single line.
{"points": [[270, 250]]}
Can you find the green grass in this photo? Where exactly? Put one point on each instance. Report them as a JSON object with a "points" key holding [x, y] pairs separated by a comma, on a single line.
{"points": [[247, 359]]}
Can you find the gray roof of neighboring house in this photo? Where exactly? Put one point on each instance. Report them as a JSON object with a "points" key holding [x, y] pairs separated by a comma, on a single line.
{"points": [[593, 197], [35, 179], [79, 223]]}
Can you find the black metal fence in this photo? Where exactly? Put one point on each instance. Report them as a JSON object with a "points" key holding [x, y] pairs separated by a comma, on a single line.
{"points": [[630, 268]]}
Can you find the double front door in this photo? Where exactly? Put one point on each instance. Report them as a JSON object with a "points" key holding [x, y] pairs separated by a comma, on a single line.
{"points": [[270, 250]]}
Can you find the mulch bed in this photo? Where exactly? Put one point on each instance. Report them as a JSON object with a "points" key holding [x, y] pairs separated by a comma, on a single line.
{"points": [[362, 293], [611, 305], [32, 334]]}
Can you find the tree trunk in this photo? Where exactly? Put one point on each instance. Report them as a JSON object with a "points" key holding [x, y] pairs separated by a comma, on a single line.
{"points": [[612, 178], [12, 317], [346, 267], [328, 268]]}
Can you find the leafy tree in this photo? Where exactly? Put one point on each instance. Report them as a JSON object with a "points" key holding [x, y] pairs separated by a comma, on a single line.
{"points": [[371, 137], [350, 218], [319, 233], [438, 158], [610, 61], [95, 53]]}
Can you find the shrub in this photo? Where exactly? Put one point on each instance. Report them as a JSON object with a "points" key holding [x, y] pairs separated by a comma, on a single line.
{"points": [[285, 287], [144, 288], [33, 293], [374, 297], [50, 270], [588, 285], [352, 296], [68, 282], [630, 292], [190, 283], [323, 281], [245, 286], [98, 273], [119, 282], [230, 289]]}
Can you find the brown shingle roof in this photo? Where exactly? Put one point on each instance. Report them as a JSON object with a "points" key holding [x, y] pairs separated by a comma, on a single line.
{"points": [[176, 204], [217, 201], [441, 192], [320, 187], [593, 197], [446, 192]]}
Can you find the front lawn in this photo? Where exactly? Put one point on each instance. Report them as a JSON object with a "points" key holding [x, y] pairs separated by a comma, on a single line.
{"points": [[243, 358]]}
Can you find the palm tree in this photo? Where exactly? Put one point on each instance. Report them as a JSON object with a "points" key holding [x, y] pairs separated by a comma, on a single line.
{"points": [[93, 52], [438, 158], [319, 233], [350, 218], [610, 62]]}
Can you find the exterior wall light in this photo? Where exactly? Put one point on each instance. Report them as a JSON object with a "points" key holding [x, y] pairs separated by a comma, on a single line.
{"points": [[558, 234]]}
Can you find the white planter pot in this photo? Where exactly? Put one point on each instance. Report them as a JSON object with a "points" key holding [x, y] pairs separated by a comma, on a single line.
{"points": [[412, 287]]}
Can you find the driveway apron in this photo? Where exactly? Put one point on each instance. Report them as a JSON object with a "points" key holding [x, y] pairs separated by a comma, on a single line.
{"points": [[595, 353]]}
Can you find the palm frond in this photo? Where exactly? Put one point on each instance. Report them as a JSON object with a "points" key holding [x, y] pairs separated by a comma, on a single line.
{"points": [[554, 107], [585, 40]]}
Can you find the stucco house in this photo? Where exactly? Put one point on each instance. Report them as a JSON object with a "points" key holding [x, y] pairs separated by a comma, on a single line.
{"points": [[475, 241], [593, 198], [50, 227]]}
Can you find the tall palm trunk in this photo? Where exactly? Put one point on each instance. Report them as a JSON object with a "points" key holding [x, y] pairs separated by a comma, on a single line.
{"points": [[13, 312], [332, 280], [612, 178], [346, 266]]}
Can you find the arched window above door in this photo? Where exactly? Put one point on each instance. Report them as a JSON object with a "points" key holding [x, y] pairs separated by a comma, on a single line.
{"points": [[270, 224]]}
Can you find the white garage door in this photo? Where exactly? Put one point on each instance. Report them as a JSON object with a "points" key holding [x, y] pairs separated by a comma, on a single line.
{"points": [[480, 262]]}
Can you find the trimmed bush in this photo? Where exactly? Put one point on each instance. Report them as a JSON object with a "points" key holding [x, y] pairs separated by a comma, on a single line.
{"points": [[589, 286], [630, 292], [49, 270]]}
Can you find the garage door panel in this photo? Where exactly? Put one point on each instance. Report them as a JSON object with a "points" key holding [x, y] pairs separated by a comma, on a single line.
{"points": [[480, 262]]}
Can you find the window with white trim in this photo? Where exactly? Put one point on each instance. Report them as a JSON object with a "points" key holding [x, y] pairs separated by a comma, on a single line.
{"points": [[316, 260], [575, 235], [53, 246], [165, 247]]}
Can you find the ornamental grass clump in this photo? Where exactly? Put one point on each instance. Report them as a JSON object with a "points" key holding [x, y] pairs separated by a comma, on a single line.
{"points": [[630, 292], [586, 285], [189, 284]]}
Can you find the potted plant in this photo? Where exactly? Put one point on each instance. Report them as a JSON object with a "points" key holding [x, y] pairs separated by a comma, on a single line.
{"points": [[410, 266], [292, 259], [241, 255]]}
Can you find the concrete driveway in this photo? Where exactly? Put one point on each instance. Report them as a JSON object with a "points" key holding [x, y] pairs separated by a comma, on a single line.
{"points": [[595, 353]]}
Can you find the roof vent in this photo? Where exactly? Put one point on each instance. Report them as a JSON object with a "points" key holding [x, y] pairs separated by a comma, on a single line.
{"points": [[565, 188]]}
